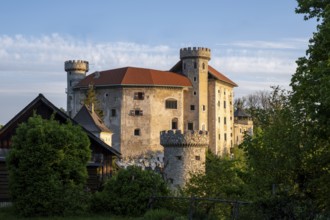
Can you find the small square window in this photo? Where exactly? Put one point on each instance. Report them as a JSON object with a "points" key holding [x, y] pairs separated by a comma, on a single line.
{"points": [[139, 95], [137, 132], [136, 112], [197, 157], [192, 107], [179, 157], [195, 93]]}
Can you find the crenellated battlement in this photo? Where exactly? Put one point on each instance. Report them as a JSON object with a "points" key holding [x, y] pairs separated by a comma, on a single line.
{"points": [[76, 65], [193, 52], [186, 139]]}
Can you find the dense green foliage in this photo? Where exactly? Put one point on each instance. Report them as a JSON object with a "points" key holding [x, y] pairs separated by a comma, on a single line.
{"points": [[288, 157], [222, 180], [8, 213], [47, 168], [129, 192]]}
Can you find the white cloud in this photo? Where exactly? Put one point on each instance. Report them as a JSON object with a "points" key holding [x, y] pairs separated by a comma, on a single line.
{"points": [[289, 43], [32, 65]]}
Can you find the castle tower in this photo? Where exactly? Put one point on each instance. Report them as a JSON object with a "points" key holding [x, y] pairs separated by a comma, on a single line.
{"points": [[76, 71], [195, 67], [184, 153]]}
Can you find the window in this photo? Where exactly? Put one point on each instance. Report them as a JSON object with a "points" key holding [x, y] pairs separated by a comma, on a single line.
{"points": [[197, 157], [190, 126], [219, 119], [219, 136], [224, 104], [225, 136], [192, 107], [179, 157], [195, 93], [136, 112], [195, 65], [204, 107], [203, 66], [218, 103], [171, 104], [225, 120], [139, 95], [174, 123], [113, 112], [137, 132], [195, 78]]}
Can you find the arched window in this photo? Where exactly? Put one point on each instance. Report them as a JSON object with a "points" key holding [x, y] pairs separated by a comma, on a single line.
{"points": [[171, 104], [174, 123]]}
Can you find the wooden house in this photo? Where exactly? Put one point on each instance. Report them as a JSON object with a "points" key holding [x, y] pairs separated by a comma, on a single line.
{"points": [[102, 157]]}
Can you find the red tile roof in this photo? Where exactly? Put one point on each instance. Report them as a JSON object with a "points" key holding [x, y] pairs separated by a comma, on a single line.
{"points": [[220, 76], [135, 76]]}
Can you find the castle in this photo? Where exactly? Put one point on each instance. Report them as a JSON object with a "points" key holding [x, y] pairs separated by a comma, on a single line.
{"points": [[138, 104]]}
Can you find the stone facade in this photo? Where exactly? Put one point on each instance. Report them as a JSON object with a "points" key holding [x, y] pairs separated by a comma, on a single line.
{"points": [[184, 154], [242, 127], [221, 117], [136, 123]]}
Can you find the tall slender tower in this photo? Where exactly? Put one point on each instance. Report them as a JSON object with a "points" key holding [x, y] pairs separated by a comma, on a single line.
{"points": [[195, 67], [76, 71]]}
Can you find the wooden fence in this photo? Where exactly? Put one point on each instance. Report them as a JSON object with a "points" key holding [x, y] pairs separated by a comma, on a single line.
{"points": [[192, 204]]}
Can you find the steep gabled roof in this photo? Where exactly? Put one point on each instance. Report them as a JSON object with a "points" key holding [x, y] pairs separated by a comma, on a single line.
{"points": [[134, 76], [221, 77], [241, 113], [213, 72], [90, 120], [42, 106]]}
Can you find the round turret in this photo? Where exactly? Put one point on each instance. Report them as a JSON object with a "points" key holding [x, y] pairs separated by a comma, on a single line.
{"points": [[194, 52], [184, 154], [78, 66]]}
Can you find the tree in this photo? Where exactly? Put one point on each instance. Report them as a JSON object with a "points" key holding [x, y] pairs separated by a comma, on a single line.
{"points": [[222, 180], [47, 168], [288, 156], [129, 192], [92, 102], [311, 92]]}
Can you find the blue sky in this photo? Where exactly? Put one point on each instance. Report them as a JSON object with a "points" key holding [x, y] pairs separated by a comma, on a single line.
{"points": [[255, 42]]}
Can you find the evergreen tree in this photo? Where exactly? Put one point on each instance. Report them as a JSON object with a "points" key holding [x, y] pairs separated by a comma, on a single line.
{"points": [[47, 168], [92, 102]]}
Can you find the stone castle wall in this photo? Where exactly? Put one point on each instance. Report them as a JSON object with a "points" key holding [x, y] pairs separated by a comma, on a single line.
{"points": [[184, 154]]}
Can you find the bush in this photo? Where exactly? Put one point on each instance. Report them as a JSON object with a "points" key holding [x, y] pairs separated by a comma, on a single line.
{"points": [[47, 168], [129, 192], [161, 214]]}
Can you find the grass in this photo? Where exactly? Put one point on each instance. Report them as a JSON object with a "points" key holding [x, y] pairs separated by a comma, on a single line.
{"points": [[8, 213]]}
